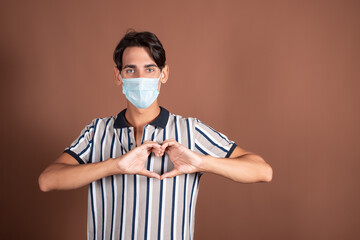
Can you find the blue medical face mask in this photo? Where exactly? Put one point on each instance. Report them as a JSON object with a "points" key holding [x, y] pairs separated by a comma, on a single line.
{"points": [[141, 92]]}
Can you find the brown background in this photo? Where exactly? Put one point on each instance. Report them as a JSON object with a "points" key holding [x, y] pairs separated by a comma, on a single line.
{"points": [[280, 78]]}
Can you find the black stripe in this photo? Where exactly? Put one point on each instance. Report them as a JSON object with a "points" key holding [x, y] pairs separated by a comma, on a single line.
{"points": [[92, 208], [231, 150], [74, 155], [183, 220], [211, 141], [134, 210], [201, 150], [214, 131], [122, 205]]}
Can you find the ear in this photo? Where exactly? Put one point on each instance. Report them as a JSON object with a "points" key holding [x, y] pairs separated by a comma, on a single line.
{"points": [[165, 74], [117, 79]]}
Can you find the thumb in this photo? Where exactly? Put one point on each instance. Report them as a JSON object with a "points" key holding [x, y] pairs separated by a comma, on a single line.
{"points": [[149, 174], [172, 173]]}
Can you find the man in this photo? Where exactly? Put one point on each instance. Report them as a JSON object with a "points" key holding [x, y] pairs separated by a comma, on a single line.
{"points": [[144, 165]]}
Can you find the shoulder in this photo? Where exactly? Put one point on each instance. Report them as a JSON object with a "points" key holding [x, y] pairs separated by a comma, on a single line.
{"points": [[179, 119], [102, 122]]}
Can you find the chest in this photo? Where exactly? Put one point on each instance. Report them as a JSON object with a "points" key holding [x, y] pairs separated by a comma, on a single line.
{"points": [[116, 142]]}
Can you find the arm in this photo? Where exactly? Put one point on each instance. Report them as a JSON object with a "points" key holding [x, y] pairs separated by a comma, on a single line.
{"points": [[242, 166], [66, 173]]}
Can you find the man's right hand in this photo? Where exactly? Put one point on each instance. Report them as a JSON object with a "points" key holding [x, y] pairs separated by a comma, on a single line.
{"points": [[133, 162], [67, 173]]}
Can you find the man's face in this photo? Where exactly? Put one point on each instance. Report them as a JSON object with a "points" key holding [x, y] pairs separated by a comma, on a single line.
{"points": [[138, 63]]}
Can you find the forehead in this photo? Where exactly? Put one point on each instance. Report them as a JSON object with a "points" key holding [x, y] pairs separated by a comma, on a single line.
{"points": [[137, 56]]}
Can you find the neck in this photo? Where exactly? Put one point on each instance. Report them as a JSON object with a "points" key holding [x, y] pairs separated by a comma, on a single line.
{"points": [[138, 118]]}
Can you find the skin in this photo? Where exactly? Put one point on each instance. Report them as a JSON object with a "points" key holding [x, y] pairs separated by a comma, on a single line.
{"points": [[67, 173]]}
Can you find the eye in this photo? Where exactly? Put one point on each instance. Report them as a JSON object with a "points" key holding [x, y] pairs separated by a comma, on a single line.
{"points": [[130, 70], [149, 70]]}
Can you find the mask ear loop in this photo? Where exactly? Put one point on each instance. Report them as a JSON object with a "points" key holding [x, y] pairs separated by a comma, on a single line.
{"points": [[120, 75], [159, 80], [122, 81]]}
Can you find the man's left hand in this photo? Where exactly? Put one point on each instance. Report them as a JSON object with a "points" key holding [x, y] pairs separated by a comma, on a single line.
{"points": [[184, 160]]}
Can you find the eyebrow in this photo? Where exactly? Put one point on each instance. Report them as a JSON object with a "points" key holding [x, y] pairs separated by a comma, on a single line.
{"points": [[150, 65], [134, 66]]}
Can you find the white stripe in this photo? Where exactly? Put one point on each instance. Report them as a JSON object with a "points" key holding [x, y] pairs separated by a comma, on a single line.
{"points": [[105, 206], [104, 183], [164, 187], [222, 135], [176, 183], [125, 197], [115, 206], [150, 193], [192, 212], [124, 209], [115, 187], [150, 204], [138, 192], [123, 222], [176, 205], [104, 143], [163, 201], [205, 149], [214, 140], [95, 209], [86, 152], [185, 207], [137, 207], [192, 147]]}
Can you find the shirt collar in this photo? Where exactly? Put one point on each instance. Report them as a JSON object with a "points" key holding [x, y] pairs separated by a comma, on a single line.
{"points": [[160, 121]]}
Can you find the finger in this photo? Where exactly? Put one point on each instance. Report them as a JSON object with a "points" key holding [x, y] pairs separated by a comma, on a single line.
{"points": [[148, 173], [152, 147], [151, 144], [168, 144], [162, 153], [168, 140], [157, 151], [172, 173]]}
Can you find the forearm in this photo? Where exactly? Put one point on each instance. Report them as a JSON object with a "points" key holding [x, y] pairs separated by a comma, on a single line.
{"points": [[248, 168], [60, 176]]}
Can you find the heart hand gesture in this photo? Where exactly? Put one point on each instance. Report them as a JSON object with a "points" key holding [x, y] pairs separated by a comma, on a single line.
{"points": [[184, 160]]}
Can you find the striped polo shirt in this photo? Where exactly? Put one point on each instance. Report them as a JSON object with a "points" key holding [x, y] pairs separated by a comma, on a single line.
{"points": [[134, 206]]}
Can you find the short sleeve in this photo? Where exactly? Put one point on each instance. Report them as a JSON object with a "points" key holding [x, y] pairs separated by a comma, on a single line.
{"points": [[80, 149], [211, 142]]}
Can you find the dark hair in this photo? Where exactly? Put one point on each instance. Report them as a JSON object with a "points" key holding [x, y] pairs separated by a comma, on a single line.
{"points": [[140, 39]]}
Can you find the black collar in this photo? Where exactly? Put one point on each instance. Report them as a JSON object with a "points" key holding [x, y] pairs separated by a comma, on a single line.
{"points": [[160, 121]]}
